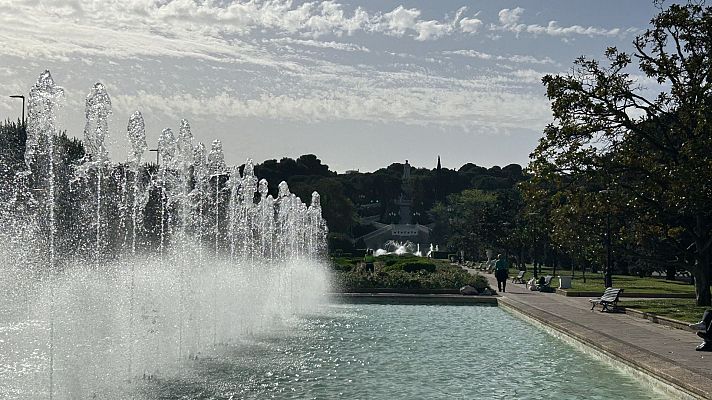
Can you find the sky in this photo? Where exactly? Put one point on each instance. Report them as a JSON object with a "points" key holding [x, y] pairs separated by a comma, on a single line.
{"points": [[361, 84]]}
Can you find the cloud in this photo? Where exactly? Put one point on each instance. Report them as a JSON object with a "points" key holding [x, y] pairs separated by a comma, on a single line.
{"points": [[528, 75], [400, 20], [429, 30], [321, 44], [509, 20], [470, 25], [515, 58], [510, 17], [415, 105], [260, 60]]}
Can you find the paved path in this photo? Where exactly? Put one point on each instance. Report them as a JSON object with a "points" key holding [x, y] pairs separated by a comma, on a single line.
{"points": [[666, 353]]}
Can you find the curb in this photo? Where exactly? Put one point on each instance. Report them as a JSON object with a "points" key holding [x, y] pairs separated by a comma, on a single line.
{"points": [[400, 291], [673, 323], [571, 293], [414, 298]]}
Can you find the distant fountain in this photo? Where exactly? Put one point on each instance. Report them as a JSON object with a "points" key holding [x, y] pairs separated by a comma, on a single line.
{"points": [[117, 272], [399, 248]]}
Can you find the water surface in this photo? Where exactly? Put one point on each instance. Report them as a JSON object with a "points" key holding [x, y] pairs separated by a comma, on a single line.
{"points": [[372, 351]]}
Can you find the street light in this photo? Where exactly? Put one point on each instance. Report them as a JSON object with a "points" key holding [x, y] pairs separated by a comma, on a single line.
{"points": [[156, 150], [534, 214], [19, 96], [607, 276]]}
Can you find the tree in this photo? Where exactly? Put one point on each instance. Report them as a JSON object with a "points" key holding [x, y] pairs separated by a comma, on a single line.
{"points": [[473, 220], [649, 146]]}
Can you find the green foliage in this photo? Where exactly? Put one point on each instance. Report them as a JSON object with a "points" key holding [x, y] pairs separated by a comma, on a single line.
{"points": [[339, 241], [474, 220], [623, 166], [635, 284], [343, 263], [424, 275], [679, 309], [410, 266], [392, 259]]}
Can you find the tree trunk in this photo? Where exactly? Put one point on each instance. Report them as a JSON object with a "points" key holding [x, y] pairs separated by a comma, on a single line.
{"points": [[702, 266], [670, 273], [702, 287]]}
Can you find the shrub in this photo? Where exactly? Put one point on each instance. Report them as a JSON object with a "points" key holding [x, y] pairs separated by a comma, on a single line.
{"points": [[452, 278], [410, 266], [424, 275], [356, 279], [392, 259], [400, 279], [416, 266], [343, 263]]}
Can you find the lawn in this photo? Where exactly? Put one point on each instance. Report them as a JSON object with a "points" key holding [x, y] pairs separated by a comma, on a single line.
{"points": [[630, 284], [680, 309]]}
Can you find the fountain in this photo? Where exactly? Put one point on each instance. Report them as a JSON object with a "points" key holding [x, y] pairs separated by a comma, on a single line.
{"points": [[399, 248], [117, 275]]}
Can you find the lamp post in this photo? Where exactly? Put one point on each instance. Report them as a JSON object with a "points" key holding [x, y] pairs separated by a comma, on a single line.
{"points": [[156, 150], [607, 276], [19, 96], [530, 216]]}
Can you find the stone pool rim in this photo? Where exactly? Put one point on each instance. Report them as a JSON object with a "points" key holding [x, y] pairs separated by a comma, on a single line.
{"points": [[665, 376], [413, 298]]}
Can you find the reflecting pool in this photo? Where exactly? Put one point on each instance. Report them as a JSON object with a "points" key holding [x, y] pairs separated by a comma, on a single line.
{"points": [[376, 351]]}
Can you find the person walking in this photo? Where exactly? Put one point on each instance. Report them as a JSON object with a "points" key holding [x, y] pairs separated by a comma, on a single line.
{"points": [[501, 272]]}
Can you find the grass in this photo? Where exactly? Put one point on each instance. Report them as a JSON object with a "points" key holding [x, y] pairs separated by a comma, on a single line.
{"points": [[630, 284], [679, 309]]}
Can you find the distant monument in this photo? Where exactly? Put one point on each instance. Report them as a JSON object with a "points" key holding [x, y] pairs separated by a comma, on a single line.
{"points": [[405, 201], [405, 230]]}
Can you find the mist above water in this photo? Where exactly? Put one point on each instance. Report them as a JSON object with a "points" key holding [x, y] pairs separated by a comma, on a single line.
{"points": [[115, 274]]}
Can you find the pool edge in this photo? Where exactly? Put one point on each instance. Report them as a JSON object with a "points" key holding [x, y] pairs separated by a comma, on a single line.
{"points": [[414, 298], [655, 381]]}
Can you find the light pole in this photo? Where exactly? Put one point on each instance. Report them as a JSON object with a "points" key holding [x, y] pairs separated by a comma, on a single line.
{"points": [[607, 276], [156, 150], [530, 218], [19, 96]]}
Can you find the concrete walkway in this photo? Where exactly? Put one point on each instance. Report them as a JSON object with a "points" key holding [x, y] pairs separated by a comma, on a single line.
{"points": [[665, 353]]}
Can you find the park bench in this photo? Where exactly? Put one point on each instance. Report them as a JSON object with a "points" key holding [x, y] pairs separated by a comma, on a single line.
{"points": [[683, 274], [542, 285], [545, 286], [519, 278], [608, 301]]}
